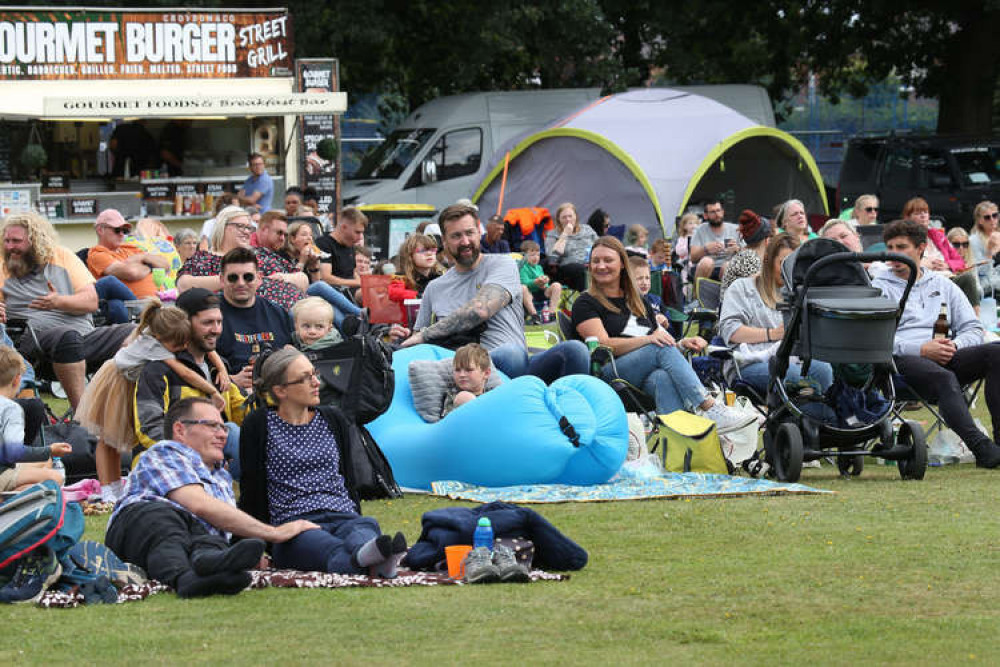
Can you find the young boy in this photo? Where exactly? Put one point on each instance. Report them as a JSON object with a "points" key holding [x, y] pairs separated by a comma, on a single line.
{"points": [[535, 281], [659, 255], [644, 282], [472, 368], [12, 447], [314, 330]]}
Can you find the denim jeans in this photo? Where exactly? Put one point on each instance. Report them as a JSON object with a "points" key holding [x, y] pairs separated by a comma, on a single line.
{"points": [[342, 306], [113, 294], [664, 374], [756, 375], [231, 451], [566, 358], [330, 549]]}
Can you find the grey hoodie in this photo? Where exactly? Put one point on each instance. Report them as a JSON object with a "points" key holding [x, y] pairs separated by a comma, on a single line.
{"points": [[916, 327]]}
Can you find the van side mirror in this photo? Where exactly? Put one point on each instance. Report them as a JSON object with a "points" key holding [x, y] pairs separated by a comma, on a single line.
{"points": [[428, 171]]}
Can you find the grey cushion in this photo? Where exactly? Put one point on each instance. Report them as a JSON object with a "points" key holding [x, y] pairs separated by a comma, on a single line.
{"points": [[430, 382]]}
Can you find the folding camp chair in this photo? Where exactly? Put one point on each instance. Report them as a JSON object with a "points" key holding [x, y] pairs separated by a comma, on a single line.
{"points": [[905, 394], [705, 310]]}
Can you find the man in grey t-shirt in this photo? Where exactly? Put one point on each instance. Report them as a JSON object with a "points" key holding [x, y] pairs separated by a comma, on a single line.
{"points": [[714, 243], [486, 289]]}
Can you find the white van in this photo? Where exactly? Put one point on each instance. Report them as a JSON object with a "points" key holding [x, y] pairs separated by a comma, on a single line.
{"points": [[441, 152]]}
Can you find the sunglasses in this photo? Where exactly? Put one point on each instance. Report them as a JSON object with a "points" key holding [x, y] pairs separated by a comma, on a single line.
{"points": [[124, 229], [871, 209], [234, 278], [991, 216], [961, 244]]}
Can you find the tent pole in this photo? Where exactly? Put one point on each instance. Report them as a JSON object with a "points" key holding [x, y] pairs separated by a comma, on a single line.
{"points": [[503, 182]]}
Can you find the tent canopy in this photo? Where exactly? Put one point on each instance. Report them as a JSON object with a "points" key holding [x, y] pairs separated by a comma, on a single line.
{"points": [[645, 155]]}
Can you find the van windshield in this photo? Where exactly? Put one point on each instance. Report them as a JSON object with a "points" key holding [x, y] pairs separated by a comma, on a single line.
{"points": [[979, 165], [393, 155]]}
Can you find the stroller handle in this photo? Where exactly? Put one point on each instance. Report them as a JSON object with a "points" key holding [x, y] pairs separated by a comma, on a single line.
{"points": [[840, 257]]}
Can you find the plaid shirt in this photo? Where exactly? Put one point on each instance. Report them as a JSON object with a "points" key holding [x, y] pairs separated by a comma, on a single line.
{"points": [[169, 465]]}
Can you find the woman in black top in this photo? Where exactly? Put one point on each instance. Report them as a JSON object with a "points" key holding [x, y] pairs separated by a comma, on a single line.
{"points": [[615, 313], [296, 463]]}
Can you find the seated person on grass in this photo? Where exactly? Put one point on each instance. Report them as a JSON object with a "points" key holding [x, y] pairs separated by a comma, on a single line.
{"points": [[296, 466], [20, 465], [937, 368], [178, 511]]}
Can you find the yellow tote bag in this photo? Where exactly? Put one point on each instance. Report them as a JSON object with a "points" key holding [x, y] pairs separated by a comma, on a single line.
{"points": [[689, 443]]}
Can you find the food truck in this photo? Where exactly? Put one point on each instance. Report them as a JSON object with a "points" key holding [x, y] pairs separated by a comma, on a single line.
{"points": [[155, 111]]}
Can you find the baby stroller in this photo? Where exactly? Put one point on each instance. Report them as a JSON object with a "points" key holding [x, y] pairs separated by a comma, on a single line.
{"points": [[833, 314]]}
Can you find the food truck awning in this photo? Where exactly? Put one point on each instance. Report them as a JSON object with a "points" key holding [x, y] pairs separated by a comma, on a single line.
{"points": [[162, 98]]}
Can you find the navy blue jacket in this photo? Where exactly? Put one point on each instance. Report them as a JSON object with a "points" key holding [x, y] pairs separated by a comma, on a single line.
{"points": [[455, 525]]}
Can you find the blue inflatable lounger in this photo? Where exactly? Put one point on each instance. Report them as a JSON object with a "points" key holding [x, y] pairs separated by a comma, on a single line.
{"points": [[522, 432]]}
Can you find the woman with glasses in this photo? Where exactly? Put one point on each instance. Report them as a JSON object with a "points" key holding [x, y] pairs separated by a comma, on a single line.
{"points": [[959, 239], [296, 465], [418, 262], [232, 230], [865, 210], [984, 243], [939, 255]]}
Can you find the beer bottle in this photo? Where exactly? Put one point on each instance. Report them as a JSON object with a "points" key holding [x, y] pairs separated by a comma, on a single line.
{"points": [[941, 323]]}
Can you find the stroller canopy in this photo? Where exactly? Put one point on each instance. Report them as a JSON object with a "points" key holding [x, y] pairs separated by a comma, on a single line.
{"points": [[796, 265]]}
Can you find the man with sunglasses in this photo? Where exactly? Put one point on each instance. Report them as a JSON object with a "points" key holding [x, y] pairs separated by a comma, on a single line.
{"points": [[250, 325], [178, 510], [124, 261]]}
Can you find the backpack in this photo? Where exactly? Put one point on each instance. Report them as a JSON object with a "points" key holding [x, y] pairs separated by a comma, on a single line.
{"points": [[357, 373], [38, 516], [689, 443], [81, 464], [373, 476]]}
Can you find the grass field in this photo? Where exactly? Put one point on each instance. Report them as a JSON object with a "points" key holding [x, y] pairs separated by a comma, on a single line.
{"points": [[884, 571]]}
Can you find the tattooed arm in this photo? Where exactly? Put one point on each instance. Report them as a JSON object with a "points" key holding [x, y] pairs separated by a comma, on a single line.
{"points": [[487, 303]]}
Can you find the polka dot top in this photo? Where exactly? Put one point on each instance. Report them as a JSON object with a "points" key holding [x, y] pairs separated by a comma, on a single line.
{"points": [[303, 469]]}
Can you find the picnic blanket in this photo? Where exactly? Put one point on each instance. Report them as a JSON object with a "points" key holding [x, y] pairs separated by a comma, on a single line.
{"points": [[287, 579], [669, 485]]}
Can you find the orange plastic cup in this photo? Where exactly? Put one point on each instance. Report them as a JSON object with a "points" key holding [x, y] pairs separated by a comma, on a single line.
{"points": [[456, 555]]}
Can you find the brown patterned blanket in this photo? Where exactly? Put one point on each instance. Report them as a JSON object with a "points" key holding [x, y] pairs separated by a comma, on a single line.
{"points": [[288, 579]]}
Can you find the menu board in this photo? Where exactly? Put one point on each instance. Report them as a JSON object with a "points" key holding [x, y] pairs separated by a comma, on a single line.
{"points": [[158, 191], [83, 207], [55, 182], [319, 75]]}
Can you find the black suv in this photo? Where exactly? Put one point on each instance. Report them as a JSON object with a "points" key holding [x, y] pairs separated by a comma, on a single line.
{"points": [[952, 173]]}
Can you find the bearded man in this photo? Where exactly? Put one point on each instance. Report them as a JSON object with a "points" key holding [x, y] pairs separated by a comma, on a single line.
{"points": [[47, 285]]}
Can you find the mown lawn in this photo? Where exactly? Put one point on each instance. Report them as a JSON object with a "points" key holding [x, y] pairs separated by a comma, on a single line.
{"points": [[883, 571]]}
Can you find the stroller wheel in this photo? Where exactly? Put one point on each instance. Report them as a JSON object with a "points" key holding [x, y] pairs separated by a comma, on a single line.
{"points": [[851, 466], [788, 453], [915, 465]]}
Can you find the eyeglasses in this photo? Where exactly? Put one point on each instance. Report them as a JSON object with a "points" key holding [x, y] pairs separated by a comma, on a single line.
{"points": [[310, 377], [960, 244], [871, 209], [242, 226], [210, 423], [991, 216], [234, 278], [280, 233]]}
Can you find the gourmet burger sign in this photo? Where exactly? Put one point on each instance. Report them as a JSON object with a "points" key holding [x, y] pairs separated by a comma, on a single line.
{"points": [[144, 44]]}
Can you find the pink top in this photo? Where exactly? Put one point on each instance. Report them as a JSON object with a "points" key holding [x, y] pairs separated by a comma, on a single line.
{"points": [[681, 247]]}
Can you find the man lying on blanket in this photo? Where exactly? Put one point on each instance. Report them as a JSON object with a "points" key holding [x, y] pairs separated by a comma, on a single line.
{"points": [[178, 510]]}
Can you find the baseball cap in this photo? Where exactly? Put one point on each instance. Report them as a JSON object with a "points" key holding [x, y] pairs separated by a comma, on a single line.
{"points": [[111, 218], [197, 299]]}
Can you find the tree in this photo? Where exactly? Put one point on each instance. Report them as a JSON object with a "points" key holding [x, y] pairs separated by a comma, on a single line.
{"points": [[943, 49]]}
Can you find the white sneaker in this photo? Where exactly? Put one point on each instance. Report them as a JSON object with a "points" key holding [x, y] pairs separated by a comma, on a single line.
{"points": [[726, 418]]}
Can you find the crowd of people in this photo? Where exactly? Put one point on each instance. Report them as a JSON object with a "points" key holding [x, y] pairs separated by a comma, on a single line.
{"points": [[253, 290]]}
